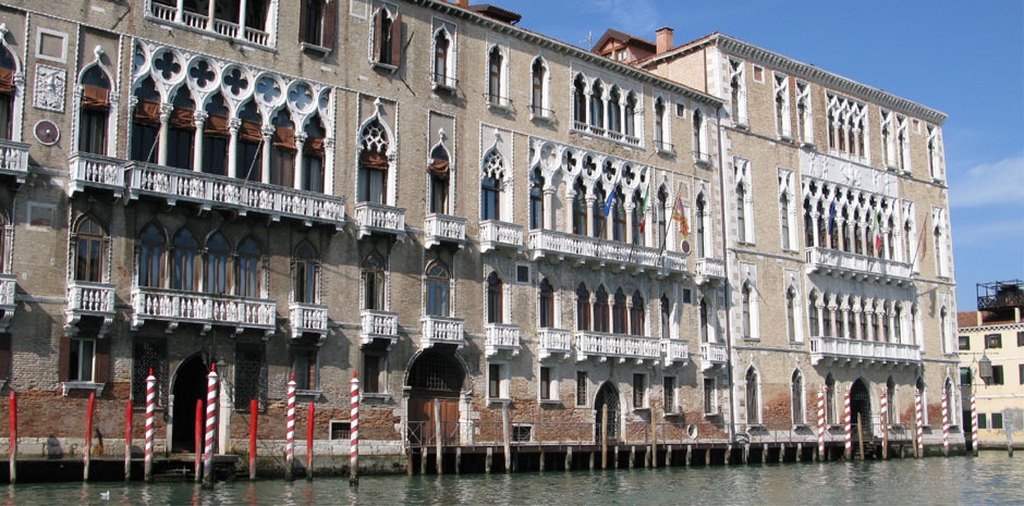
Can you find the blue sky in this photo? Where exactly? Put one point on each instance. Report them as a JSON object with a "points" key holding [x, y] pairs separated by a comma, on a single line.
{"points": [[963, 58]]}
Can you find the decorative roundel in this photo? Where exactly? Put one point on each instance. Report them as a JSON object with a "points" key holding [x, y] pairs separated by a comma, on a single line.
{"points": [[46, 132], [685, 246]]}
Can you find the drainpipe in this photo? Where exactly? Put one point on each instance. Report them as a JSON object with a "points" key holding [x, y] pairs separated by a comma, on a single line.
{"points": [[725, 285]]}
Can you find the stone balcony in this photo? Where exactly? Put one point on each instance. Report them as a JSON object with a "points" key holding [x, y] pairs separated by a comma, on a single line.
{"points": [[502, 338], [554, 342], [709, 270], [169, 13], [14, 159], [439, 228], [308, 319], [8, 302], [496, 234], [378, 326], [442, 330], [205, 309], [87, 299], [675, 351], [713, 354], [600, 253], [86, 170], [374, 218], [619, 347], [211, 191], [843, 350], [843, 264]]}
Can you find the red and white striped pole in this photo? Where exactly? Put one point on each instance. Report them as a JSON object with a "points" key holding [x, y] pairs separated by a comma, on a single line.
{"points": [[254, 413], [13, 455], [289, 445], [848, 426], [974, 425], [309, 441], [128, 442], [353, 461], [150, 424], [211, 426], [87, 454], [945, 424], [198, 441], [821, 424], [919, 414], [885, 423]]}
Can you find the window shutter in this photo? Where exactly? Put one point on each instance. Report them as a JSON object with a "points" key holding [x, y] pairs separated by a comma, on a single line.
{"points": [[5, 356], [396, 41], [302, 20], [330, 14], [65, 356], [377, 22], [102, 372]]}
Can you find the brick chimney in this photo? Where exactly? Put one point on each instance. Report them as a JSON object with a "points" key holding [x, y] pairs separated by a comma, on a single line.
{"points": [[462, 3], [665, 39]]}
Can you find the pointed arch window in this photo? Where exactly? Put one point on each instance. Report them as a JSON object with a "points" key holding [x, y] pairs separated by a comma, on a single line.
{"points": [[314, 155], [597, 105], [737, 93], [745, 310], [387, 37], [784, 210], [305, 275], [798, 396], [666, 317], [831, 416], [438, 287], [536, 199], [791, 331], [248, 155], [618, 217], [90, 251], [249, 268], [579, 103], [95, 111], [629, 116], [636, 315], [704, 322], [497, 78], [495, 299], [374, 282], [753, 397], [583, 308], [660, 130], [373, 163], [439, 171], [218, 253], [602, 319], [443, 75], [181, 132], [184, 257], [615, 110], [539, 99], [741, 213], [8, 67], [547, 304], [812, 315], [491, 186], [579, 208], [282, 150], [701, 238], [216, 137], [152, 248], [146, 122], [620, 315]]}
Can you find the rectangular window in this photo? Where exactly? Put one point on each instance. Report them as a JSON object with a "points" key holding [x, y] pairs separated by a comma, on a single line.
{"points": [[250, 376], [982, 421], [997, 421], [710, 401], [581, 388], [993, 341], [1020, 373], [497, 386], [81, 360], [316, 23], [997, 375], [387, 37], [965, 343], [639, 391], [306, 359], [1020, 339], [149, 355], [341, 430], [670, 394], [546, 390], [374, 371], [522, 433]]}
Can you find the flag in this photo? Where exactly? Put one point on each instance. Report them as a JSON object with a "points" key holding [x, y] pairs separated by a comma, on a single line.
{"points": [[609, 204], [877, 233], [679, 215], [832, 218], [684, 226], [643, 209]]}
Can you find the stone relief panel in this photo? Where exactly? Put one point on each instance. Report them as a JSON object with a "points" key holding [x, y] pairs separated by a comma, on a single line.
{"points": [[49, 89]]}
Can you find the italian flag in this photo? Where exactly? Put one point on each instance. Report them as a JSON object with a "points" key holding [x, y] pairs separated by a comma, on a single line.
{"points": [[643, 209]]}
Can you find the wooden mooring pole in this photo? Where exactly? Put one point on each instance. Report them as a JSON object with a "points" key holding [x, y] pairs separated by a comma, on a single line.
{"points": [[604, 437]]}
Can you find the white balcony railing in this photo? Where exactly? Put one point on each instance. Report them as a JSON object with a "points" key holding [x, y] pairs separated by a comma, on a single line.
{"points": [[176, 307], [215, 191], [713, 354], [308, 319], [709, 270], [442, 330], [561, 246], [89, 299], [87, 170], [554, 342], [378, 325], [675, 351], [372, 217], [502, 337], [438, 228], [862, 267], [496, 234], [620, 347], [171, 14], [8, 285], [859, 350], [14, 159]]}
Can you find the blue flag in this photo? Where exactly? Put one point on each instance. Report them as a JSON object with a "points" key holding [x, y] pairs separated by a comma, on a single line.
{"points": [[608, 204], [832, 218]]}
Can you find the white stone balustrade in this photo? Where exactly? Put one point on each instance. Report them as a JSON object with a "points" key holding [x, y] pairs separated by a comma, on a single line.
{"points": [[176, 307], [554, 342], [171, 14], [502, 337], [709, 269], [87, 170], [442, 330], [859, 350], [215, 191], [373, 217], [619, 347], [8, 285], [561, 246], [89, 299], [378, 325], [862, 267], [308, 319], [713, 354], [675, 350], [496, 234], [14, 159], [438, 228]]}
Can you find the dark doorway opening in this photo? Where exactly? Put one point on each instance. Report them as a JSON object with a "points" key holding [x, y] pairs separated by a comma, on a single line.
{"points": [[189, 386], [608, 396], [860, 404]]}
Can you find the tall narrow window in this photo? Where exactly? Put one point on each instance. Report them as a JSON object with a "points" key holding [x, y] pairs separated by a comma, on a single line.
{"points": [[184, 257], [438, 280], [496, 77], [831, 416], [784, 210], [791, 314], [305, 365], [373, 163], [547, 304], [7, 91], [152, 246], [614, 110], [146, 122], [374, 281], [305, 275], [636, 314], [669, 389], [660, 134], [601, 310], [92, 136], [579, 208], [704, 322], [490, 192], [217, 253], [81, 363], [890, 393], [812, 316], [442, 46], [741, 213], [282, 150], [666, 317], [311, 19], [803, 113], [799, 401], [582, 307], [745, 313], [619, 313], [629, 118], [536, 199], [439, 170], [538, 91], [249, 268], [90, 251], [181, 131], [216, 137], [639, 391], [700, 148], [701, 232], [737, 93], [248, 157], [783, 123], [314, 154], [579, 103], [753, 388], [597, 105], [387, 37], [495, 299], [546, 390]]}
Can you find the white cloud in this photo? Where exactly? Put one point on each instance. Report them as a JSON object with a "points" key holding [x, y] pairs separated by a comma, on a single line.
{"points": [[996, 183], [635, 17]]}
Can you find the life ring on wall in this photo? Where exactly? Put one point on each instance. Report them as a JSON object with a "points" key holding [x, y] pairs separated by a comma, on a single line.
{"points": [[691, 430]]}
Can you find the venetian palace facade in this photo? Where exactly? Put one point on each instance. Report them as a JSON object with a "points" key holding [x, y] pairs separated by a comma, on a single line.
{"points": [[475, 218]]}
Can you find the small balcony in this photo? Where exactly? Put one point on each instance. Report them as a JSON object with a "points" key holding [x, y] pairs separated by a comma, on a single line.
{"points": [[845, 350], [554, 342], [502, 338], [600, 253], [442, 330], [14, 159], [675, 351], [8, 284], [374, 218], [439, 228], [496, 234], [620, 347], [713, 354], [709, 270], [85, 299], [87, 170], [702, 160], [378, 325], [843, 264], [211, 191], [168, 13], [308, 319], [205, 309]]}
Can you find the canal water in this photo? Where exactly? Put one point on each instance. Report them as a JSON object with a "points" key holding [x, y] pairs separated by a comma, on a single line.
{"points": [[992, 478]]}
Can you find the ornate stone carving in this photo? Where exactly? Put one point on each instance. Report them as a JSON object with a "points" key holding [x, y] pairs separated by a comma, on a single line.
{"points": [[49, 88]]}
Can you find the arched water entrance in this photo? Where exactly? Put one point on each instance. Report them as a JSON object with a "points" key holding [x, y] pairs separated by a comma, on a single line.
{"points": [[608, 396], [189, 386], [435, 385], [860, 404]]}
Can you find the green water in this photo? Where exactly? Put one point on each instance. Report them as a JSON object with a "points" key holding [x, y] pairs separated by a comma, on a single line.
{"points": [[992, 478]]}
